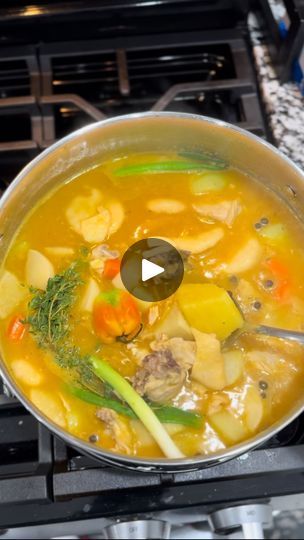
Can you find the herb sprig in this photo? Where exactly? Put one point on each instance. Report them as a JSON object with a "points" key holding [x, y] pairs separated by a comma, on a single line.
{"points": [[50, 318]]}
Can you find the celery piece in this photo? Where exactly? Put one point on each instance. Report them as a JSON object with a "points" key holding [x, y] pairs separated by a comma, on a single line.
{"points": [[105, 372]]}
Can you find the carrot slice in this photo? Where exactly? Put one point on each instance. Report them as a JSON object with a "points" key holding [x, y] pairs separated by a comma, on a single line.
{"points": [[282, 275], [16, 328], [111, 268]]}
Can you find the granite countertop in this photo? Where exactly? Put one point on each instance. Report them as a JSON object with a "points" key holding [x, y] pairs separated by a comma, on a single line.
{"points": [[284, 103]]}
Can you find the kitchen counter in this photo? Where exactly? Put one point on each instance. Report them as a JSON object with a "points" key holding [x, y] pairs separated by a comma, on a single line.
{"points": [[284, 103]]}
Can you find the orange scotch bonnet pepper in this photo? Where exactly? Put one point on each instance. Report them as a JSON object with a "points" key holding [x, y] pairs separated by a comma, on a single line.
{"points": [[116, 316]]}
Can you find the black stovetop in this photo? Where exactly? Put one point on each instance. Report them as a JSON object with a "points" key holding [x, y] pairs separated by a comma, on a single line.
{"points": [[55, 78]]}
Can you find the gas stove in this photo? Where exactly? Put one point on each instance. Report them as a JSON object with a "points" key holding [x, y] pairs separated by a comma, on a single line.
{"points": [[63, 66]]}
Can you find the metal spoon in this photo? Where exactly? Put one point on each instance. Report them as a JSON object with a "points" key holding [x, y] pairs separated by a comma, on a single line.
{"points": [[262, 329]]}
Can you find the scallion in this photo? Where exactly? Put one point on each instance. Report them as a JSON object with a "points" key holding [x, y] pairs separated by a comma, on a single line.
{"points": [[164, 167], [106, 373], [166, 414]]}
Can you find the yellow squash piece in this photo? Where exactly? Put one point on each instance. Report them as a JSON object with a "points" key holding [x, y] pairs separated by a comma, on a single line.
{"points": [[209, 308]]}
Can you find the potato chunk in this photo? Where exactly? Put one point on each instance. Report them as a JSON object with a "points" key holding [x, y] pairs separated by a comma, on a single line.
{"points": [[117, 214], [208, 368], [91, 291], [26, 373], [11, 293], [254, 408], [234, 366], [230, 428], [245, 258], [38, 269], [198, 243], [209, 308], [49, 405], [174, 325], [165, 206]]}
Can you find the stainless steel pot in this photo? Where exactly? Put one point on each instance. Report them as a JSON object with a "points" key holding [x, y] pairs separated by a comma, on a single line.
{"points": [[136, 133]]}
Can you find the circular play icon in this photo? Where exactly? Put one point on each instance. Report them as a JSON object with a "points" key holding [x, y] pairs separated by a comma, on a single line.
{"points": [[152, 269]]}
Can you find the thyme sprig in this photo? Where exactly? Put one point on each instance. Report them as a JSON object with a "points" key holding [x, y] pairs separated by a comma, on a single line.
{"points": [[50, 316]]}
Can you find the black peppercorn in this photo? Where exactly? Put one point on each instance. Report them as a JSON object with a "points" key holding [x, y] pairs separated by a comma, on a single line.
{"points": [[234, 280], [257, 305], [263, 385], [257, 225], [268, 283], [264, 221], [93, 438]]}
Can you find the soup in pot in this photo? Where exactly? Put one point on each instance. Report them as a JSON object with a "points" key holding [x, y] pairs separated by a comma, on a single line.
{"points": [[184, 376]]}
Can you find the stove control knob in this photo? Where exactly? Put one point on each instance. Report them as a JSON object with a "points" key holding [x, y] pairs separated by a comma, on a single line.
{"points": [[144, 528], [252, 518]]}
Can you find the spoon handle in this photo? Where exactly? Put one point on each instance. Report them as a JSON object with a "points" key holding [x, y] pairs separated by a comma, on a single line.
{"points": [[281, 333]]}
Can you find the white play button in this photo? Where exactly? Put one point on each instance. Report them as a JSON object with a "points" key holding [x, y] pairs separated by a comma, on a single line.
{"points": [[150, 270]]}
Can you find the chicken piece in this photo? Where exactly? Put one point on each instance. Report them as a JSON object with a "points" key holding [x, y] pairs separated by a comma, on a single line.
{"points": [[117, 428], [224, 211], [217, 402], [82, 208], [96, 228], [99, 255], [160, 377], [182, 351], [102, 251]]}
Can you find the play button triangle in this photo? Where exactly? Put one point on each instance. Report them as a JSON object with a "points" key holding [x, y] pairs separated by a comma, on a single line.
{"points": [[150, 270]]}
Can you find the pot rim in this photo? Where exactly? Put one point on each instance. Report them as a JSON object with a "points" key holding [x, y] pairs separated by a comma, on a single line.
{"points": [[137, 463]]}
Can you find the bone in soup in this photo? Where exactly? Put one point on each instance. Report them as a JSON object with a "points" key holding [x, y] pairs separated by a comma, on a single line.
{"points": [[156, 379]]}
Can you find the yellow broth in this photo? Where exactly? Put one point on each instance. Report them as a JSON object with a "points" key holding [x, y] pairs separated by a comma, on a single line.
{"points": [[274, 369]]}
